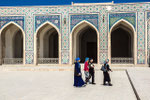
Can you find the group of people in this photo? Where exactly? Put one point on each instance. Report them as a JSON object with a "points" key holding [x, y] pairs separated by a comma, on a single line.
{"points": [[89, 73]]}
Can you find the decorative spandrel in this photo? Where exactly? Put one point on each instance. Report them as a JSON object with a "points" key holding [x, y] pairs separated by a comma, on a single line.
{"points": [[92, 18]]}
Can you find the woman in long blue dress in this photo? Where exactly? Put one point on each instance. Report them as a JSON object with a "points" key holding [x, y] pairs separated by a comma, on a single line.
{"points": [[78, 81]]}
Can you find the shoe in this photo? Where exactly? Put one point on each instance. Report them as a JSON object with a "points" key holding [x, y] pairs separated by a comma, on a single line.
{"points": [[110, 84], [93, 83]]}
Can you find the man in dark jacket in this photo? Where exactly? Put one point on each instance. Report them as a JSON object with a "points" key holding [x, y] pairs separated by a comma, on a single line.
{"points": [[92, 71]]}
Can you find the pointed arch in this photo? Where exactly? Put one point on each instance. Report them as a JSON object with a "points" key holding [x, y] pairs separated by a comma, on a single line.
{"points": [[49, 23], [75, 32], [127, 26], [84, 22], [22, 33], [36, 36], [124, 22], [9, 23]]}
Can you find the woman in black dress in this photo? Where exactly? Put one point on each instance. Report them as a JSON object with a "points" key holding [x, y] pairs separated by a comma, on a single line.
{"points": [[106, 73]]}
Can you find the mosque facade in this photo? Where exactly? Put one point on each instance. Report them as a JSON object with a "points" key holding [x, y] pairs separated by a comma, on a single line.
{"points": [[56, 35]]}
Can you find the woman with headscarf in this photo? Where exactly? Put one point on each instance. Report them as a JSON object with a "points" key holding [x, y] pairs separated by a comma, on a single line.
{"points": [[78, 81], [86, 70], [91, 70], [106, 73]]}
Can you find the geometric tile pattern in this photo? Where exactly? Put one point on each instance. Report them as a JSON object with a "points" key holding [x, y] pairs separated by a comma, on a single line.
{"points": [[29, 57], [55, 19], [130, 17], [103, 37], [25, 17], [141, 38], [16, 19], [65, 56], [29, 40], [75, 19], [65, 53]]}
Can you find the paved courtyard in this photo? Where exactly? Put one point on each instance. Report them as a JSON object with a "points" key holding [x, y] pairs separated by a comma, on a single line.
{"points": [[47, 83]]}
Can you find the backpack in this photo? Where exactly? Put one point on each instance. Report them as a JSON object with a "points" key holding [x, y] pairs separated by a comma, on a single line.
{"points": [[103, 68]]}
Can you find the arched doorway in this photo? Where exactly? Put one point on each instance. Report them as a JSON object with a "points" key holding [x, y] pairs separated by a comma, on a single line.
{"points": [[11, 45], [122, 44], [84, 42], [47, 45], [18, 43]]}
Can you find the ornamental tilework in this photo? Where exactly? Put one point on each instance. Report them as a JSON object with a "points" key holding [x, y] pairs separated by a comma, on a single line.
{"points": [[75, 19], [65, 57], [29, 40], [130, 17], [25, 17], [141, 38], [148, 37], [103, 37], [29, 34], [16, 19], [55, 19], [65, 43], [65, 39], [65, 33], [29, 57], [103, 56]]}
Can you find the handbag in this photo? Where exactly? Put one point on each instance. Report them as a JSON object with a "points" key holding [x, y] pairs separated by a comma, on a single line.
{"points": [[103, 68]]}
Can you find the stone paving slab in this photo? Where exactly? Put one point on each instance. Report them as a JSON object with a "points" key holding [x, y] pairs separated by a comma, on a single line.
{"points": [[36, 68], [50, 68], [58, 85], [141, 81]]}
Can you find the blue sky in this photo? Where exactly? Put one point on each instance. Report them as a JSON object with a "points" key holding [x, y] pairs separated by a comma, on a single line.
{"points": [[58, 2]]}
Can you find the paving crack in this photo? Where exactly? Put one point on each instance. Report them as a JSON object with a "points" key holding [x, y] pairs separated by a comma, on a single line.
{"points": [[133, 87]]}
